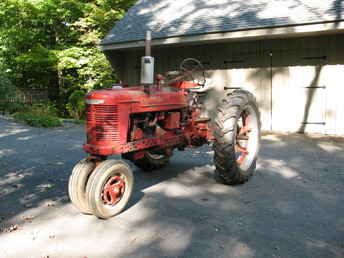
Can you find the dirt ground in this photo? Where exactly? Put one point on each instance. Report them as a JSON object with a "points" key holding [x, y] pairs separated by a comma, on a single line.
{"points": [[292, 206]]}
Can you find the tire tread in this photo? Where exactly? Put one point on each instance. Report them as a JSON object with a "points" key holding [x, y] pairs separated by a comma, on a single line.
{"points": [[227, 170]]}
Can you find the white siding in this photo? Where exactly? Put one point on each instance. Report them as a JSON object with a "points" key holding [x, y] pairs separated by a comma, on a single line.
{"points": [[283, 74]]}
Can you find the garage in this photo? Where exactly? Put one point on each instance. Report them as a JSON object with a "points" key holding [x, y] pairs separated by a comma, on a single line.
{"points": [[293, 64]]}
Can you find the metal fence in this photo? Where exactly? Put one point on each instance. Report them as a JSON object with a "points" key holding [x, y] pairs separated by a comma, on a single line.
{"points": [[31, 96], [25, 97]]}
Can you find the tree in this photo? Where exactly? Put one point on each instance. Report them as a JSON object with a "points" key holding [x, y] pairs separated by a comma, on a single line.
{"points": [[53, 43]]}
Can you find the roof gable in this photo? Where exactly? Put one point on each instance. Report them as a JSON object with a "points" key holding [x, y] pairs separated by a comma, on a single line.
{"points": [[171, 18]]}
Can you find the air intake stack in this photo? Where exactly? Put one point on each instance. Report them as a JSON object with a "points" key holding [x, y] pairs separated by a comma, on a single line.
{"points": [[147, 63]]}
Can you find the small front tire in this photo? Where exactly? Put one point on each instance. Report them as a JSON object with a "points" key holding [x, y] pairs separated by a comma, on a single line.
{"points": [[77, 185], [109, 188]]}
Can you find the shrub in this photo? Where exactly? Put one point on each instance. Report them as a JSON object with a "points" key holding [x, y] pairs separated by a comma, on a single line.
{"points": [[44, 109], [37, 120], [10, 107], [39, 115], [15, 107], [76, 105]]}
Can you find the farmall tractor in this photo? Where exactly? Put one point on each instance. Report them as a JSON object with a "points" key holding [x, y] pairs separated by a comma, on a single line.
{"points": [[145, 124]]}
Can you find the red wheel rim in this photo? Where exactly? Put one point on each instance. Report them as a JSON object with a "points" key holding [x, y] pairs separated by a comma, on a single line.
{"points": [[242, 137], [113, 190]]}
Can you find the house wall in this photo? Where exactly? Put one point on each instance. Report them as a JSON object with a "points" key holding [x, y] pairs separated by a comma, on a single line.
{"points": [[298, 82]]}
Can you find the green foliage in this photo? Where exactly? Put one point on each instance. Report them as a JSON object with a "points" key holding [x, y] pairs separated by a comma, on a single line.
{"points": [[76, 105], [7, 89], [53, 44], [39, 115], [37, 57], [37, 120], [44, 109], [11, 107], [75, 121]]}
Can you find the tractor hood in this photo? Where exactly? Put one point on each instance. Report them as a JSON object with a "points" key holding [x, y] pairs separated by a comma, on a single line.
{"points": [[141, 102]]}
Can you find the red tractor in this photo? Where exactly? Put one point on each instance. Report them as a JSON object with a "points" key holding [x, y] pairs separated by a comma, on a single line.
{"points": [[145, 124]]}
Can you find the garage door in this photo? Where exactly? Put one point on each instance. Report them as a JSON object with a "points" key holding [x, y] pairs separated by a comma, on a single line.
{"points": [[299, 84]]}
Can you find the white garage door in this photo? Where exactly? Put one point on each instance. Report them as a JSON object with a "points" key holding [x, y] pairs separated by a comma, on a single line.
{"points": [[306, 80]]}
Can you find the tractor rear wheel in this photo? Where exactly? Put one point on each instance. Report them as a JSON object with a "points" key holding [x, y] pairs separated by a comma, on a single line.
{"points": [[152, 161], [237, 138], [109, 188], [77, 185]]}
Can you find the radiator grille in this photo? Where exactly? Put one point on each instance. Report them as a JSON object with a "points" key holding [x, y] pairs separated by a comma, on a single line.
{"points": [[103, 122], [112, 109], [100, 118]]}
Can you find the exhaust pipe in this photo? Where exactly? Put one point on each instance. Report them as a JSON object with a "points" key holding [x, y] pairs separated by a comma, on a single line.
{"points": [[147, 62], [148, 41]]}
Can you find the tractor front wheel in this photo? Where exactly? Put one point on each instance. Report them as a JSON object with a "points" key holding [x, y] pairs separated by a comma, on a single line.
{"points": [[237, 138], [109, 188], [77, 185]]}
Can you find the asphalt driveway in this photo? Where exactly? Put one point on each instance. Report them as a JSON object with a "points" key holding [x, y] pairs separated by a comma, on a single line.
{"points": [[292, 207]]}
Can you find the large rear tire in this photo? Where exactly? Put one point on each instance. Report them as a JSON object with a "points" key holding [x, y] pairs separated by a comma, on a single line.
{"points": [[77, 185], [237, 138], [109, 188], [152, 161]]}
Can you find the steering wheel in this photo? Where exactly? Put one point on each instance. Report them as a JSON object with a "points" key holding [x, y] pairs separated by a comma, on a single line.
{"points": [[191, 65]]}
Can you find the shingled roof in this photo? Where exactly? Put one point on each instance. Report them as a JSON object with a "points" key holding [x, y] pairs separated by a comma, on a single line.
{"points": [[172, 18]]}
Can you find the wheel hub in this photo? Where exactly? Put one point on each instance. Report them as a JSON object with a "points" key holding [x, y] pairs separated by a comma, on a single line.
{"points": [[242, 135], [113, 190]]}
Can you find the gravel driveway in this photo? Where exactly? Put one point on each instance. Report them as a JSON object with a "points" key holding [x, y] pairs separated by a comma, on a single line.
{"points": [[292, 207]]}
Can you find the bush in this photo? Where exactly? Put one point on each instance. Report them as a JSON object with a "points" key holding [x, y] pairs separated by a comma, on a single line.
{"points": [[39, 115], [7, 89], [37, 120], [76, 105], [10, 107], [44, 109]]}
